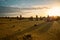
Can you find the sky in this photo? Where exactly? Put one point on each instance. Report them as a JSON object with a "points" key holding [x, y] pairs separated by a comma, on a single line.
{"points": [[25, 3], [29, 4]]}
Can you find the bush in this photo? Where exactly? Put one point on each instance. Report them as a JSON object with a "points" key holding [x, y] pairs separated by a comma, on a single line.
{"points": [[27, 37], [35, 24]]}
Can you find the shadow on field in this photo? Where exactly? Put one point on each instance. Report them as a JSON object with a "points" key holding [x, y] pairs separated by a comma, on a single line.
{"points": [[45, 27]]}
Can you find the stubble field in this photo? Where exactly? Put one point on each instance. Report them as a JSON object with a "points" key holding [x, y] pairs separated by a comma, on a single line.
{"points": [[14, 29]]}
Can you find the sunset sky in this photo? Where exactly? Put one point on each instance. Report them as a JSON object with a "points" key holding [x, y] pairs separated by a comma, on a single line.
{"points": [[44, 5]]}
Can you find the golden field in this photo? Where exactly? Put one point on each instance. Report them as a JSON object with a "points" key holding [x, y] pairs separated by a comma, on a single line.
{"points": [[14, 29]]}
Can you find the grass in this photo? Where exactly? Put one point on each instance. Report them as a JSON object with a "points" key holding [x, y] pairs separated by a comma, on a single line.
{"points": [[15, 29]]}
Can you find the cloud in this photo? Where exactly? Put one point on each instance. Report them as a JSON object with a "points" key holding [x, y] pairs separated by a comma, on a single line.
{"points": [[8, 9]]}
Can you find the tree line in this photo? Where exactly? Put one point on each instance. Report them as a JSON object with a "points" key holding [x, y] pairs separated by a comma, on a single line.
{"points": [[36, 18], [48, 18]]}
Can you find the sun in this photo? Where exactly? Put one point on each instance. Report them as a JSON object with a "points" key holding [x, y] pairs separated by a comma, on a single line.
{"points": [[55, 11]]}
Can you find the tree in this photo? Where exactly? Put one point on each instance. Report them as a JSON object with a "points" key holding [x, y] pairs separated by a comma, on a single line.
{"points": [[48, 18], [17, 17], [20, 17], [31, 18], [36, 17], [41, 18]]}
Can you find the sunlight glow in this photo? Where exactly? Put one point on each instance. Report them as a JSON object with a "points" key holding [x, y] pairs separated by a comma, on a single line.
{"points": [[55, 11]]}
